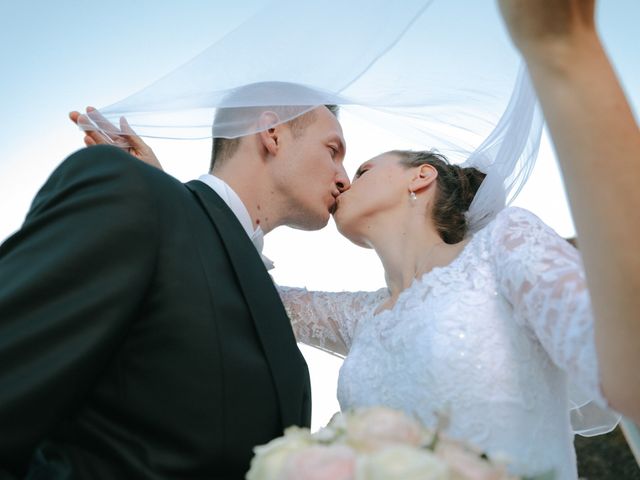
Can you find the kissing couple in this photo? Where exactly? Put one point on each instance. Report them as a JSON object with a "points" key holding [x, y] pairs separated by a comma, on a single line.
{"points": [[142, 336]]}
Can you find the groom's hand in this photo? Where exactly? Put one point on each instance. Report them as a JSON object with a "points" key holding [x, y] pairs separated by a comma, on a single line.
{"points": [[543, 27], [124, 137]]}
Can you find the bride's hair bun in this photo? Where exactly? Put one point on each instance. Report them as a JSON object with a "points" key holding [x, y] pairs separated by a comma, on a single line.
{"points": [[470, 180], [456, 189]]}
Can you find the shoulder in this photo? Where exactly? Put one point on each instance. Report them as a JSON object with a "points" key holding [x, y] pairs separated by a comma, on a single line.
{"points": [[110, 167], [515, 222], [515, 227], [103, 175], [106, 160], [97, 158], [512, 216]]}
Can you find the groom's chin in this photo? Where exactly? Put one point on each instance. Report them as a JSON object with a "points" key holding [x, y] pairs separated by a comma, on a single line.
{"points": [[311, 222]]}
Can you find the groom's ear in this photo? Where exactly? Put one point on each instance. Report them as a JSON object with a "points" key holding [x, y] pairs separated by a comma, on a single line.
{"points": [[269, 132], [424, 177]]}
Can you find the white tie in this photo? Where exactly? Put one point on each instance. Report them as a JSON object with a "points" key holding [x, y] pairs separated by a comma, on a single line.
{"points": [[258, 241]]}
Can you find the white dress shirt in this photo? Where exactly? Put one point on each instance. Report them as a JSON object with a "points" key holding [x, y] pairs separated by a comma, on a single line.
{"points": [[238, 208]]}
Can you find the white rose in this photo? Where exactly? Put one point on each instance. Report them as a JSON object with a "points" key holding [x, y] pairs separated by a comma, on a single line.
{"points": [[372, 429], [338, 422], [402, 462], [466, 464], [269, 460], [326, 435]]}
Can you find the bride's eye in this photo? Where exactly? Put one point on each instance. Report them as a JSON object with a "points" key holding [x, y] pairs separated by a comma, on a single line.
{"points": [[359, 173]]}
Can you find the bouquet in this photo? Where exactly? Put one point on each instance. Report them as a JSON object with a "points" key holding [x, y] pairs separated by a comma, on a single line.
{"points": [[374, 443]]}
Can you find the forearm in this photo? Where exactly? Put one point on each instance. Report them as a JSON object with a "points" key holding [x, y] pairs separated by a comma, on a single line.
{"points": [[311, 320], [326, 320], [598, 146]]}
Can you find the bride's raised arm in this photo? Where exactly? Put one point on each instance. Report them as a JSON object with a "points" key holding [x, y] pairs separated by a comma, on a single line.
{"points": [[597, 141], [327, 320]]}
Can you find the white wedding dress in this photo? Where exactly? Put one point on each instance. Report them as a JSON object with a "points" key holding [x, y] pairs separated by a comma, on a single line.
{"points": [[492, 339]]}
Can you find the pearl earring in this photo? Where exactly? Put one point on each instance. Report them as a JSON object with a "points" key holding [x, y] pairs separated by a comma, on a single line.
{"points": [[413, 197]]}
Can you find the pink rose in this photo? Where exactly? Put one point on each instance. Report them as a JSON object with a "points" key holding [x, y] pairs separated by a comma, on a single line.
{"points": [[321, 462]]}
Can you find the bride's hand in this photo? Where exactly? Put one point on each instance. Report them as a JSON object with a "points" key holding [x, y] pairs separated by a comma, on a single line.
{"points": [[124, 137], [539, 25]]}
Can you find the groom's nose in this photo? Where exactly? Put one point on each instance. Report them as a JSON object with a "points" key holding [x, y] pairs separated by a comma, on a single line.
{"points": [[342, 180]]}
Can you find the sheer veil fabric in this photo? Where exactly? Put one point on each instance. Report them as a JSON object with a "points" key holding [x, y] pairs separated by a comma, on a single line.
{"points": [[442, 74]]}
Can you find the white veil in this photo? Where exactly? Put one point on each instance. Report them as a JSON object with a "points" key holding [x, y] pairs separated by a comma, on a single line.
{"points": [[441, 72]]}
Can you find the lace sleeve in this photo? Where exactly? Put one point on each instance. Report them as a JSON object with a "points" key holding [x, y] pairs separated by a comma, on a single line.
{"points": [[327, 320], [542, 276]]}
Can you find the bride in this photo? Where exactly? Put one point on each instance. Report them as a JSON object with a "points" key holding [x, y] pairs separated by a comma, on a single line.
{"points": [[488, 328]]}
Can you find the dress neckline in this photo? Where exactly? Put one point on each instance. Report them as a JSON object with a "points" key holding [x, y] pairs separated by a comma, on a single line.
{"points": [[425, 276]]}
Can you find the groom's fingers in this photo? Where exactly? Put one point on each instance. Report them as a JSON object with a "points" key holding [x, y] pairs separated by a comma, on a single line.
{"points": [[74, 116], [131, 135], [138, 147], [101, 121], [126, 128], [108, 130], [97, 137], [92, 136], [134, 140]]}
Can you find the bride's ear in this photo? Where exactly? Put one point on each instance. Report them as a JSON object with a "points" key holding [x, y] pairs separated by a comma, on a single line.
{"points": [[424, 177]]}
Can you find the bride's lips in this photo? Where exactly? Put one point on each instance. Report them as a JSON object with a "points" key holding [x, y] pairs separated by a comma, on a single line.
{"points": [[336, 203]]}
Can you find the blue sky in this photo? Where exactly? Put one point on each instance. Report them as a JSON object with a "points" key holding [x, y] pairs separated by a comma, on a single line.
{"points": [[64, 55]]}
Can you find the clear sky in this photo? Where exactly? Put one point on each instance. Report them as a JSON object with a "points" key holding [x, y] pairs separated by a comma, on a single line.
{"points": [[64, 55]]}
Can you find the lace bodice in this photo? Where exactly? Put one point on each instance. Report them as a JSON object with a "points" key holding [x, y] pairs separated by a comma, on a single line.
{"points": [[491, 339]]}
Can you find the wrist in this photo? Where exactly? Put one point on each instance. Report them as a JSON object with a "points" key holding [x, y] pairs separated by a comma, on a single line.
{"points": [[562, 54]]}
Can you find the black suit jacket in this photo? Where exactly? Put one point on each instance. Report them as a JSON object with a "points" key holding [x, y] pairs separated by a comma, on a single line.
{"points": [[140, 334]]}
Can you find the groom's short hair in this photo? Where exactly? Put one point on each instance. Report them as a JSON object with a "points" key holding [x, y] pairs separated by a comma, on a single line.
{"points": [[241, 116]]}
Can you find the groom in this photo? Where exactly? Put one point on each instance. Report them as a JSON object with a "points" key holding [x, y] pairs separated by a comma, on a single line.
{"points": [[140, 333]]}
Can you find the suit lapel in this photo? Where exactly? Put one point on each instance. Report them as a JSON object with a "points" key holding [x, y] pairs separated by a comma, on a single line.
{"points": [[269, 316]]}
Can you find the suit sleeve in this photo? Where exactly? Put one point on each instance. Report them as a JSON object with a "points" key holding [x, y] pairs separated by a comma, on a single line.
{"points": [[71, 281]]}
